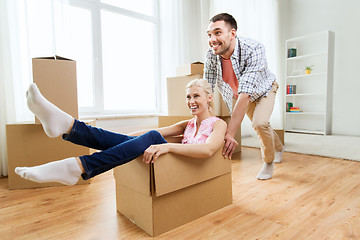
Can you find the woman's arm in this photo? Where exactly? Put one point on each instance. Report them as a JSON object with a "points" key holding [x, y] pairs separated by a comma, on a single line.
{"points": [[203, 150], [169, 131]]}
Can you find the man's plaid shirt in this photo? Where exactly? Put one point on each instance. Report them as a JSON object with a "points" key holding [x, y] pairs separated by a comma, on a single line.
{"points": [[250, 68]]}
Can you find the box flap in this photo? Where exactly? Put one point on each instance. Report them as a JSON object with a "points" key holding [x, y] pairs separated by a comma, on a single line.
{"points": [[55, 57], [134, 175], [173, 172]]}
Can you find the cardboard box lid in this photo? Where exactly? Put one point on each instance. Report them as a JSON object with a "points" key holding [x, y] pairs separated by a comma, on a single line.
{"points": [[55, 57], [173, 172]]}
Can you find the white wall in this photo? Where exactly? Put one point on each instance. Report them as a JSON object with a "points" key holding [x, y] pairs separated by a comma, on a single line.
{"points": [[301, 17]]}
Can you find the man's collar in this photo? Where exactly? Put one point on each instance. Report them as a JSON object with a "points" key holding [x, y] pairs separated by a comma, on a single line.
{"points": [[236, 52]]}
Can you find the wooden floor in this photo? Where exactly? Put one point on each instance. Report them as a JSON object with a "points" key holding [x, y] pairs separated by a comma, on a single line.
{"points": [[309, 198]]}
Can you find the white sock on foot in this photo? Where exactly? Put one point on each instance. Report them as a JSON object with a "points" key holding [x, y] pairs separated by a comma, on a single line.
{"points": [[55, 121], [278, 156], [65, 171], [266, 171]]}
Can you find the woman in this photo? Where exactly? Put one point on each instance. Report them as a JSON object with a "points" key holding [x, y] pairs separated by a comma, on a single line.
{"points": [[203, 136]]}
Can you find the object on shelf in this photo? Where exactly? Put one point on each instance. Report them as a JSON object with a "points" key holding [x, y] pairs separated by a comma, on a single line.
{"points": [[295, 109], [308, 69], [288, 106], [290, 89], [291, 52]]}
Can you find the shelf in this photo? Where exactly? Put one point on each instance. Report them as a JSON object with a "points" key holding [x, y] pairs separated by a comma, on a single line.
{"points": [[306, 56], [313, 92], [304, 113], [304, 94], [306, 75], [305, 131]]}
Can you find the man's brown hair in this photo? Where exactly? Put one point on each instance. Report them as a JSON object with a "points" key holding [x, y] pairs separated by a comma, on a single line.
{"points": [[227, 18]]}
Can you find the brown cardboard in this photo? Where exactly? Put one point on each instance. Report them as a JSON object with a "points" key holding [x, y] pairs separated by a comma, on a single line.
{"points": [[176, 95], [157, 215], [56, 79], [164, 121], [28, 145], [166, 194], [281, 134], [190, 69]]}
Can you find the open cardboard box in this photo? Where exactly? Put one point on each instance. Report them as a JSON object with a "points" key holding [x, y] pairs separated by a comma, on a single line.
{"points": [[172, 191]]}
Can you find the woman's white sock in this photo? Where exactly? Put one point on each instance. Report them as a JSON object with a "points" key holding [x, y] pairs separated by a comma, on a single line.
{"points": [[65, 171], [55, 121], [266, 171]]}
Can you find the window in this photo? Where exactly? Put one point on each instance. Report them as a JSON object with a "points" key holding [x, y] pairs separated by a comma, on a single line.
{"points": [[115, 45]]}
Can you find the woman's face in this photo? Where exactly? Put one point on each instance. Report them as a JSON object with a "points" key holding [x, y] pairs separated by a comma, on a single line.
{"points": [[197, 100]]}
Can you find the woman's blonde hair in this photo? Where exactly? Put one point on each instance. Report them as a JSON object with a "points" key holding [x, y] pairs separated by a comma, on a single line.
{"points": [[207, 89]]}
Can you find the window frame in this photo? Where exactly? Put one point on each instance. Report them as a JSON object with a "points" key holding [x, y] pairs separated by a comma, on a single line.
{"points": [[95, 7]]}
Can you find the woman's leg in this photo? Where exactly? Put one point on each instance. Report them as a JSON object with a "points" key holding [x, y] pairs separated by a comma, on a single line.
{"points": [[68, 171], [92, 137], [100, 162], [56, 122]]}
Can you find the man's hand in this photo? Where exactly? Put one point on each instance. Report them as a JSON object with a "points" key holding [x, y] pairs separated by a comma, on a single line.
{"points": [[230, 145]]}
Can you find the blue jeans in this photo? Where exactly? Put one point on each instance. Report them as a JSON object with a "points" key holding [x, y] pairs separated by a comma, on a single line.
{"points": [[117, 149]]}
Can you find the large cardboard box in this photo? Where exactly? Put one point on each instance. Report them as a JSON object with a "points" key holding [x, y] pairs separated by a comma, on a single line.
{"points": [[190, 69], [56, 78], [28, 145], [172, 191]]}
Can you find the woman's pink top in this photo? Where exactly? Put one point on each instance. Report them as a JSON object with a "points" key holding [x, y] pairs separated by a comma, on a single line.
{"points": [[205, 129]]}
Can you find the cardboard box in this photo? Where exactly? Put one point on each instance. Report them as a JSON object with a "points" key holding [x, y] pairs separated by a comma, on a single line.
{"points": [[56, 78], [28, 145], [190, 69], [281, 134], [176, 95], [173, 191]]}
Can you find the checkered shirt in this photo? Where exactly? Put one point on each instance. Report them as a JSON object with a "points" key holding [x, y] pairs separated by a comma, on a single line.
{"points": [[250, 68]]}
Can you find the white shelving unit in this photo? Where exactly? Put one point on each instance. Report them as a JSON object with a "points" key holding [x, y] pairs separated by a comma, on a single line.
{"points": [[313, 91]]}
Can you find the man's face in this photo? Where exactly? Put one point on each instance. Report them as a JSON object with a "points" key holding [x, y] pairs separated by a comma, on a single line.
{"points": [[220, 35]]}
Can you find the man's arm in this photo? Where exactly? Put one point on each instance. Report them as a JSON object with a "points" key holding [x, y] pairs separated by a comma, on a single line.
{"points": [[235, 123], [210, 69]]}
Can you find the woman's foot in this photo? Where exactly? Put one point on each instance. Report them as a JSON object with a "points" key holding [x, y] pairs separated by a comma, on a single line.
{"points": [[55, 121], [65, 171]]}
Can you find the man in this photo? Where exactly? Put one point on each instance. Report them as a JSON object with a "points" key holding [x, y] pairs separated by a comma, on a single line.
{"points": [[239, 68]]}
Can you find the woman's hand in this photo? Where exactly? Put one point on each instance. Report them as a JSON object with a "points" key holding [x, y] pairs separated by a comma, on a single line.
{"points": [[154, 151]]}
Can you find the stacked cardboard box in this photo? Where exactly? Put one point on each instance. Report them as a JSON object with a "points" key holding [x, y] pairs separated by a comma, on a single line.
{"points": [[27, 144], [176, 92]]}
